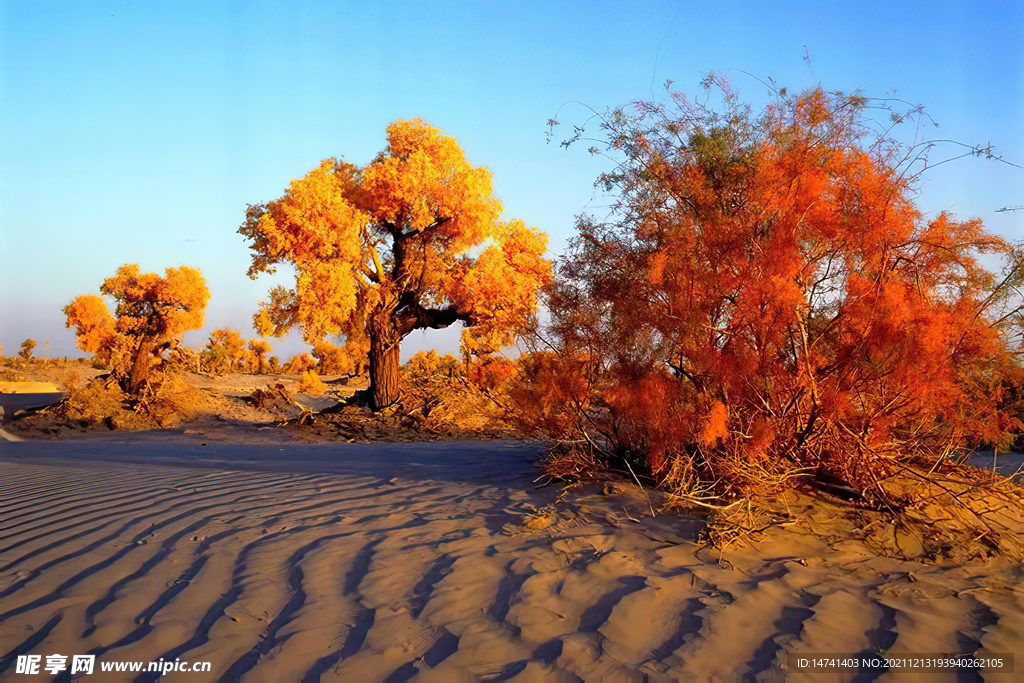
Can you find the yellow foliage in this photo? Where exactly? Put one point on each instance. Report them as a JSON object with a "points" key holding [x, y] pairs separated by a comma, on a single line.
{"points": [[309, 383], [411, 241], [93, 323], [423, 178], [225, 350], [158, 306], [427, 364], [350, 359], [152, 313], [299, 363]]}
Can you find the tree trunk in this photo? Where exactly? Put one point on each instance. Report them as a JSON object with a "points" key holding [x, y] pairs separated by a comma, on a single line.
{"points": [[385, 348], [140, 366]]}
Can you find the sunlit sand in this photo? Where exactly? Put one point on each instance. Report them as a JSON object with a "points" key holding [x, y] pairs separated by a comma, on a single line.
{"points": [[435, 562]]}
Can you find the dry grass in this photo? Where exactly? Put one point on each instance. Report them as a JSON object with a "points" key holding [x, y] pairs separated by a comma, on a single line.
{"points": [[947, 519]]}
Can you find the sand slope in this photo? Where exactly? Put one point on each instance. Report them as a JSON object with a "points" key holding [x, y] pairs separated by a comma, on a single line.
{"points": [[434, 562]]}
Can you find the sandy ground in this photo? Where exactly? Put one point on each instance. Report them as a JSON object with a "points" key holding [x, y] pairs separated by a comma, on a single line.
{"points": [[437, 562]]}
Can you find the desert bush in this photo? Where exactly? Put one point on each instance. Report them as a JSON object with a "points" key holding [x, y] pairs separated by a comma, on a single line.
{"points": [[167, 400], [551, 395], [437, 398], [299, 363], [172, 399], [309, 383], [491, 372], [766, 307], [9, 374]]}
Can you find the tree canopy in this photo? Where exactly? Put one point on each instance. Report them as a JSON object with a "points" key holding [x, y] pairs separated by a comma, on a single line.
{"points": [[27, 347], [151, 315], [413, 240]]}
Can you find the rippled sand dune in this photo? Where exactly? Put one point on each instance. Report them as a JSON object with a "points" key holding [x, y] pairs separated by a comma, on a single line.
{"points": [[436, 562]]}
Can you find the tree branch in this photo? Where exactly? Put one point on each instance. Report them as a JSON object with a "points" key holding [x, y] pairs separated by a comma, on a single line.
{"points": [[416, 317]]}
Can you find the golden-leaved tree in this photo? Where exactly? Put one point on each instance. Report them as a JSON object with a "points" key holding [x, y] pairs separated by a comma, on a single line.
{"points": [[152, 313], [225, 350], [413, 240], [259, 349]]}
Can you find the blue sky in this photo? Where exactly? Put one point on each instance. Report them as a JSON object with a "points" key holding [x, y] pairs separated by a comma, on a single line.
{"points": [[138, 132]]}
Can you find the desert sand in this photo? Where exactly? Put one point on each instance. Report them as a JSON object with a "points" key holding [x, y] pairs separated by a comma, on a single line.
{"points": [[438, 561]]}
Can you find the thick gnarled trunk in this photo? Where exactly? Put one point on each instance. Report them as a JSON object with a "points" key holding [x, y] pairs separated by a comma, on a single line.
{"points": [[385, 348], [139, 374]]}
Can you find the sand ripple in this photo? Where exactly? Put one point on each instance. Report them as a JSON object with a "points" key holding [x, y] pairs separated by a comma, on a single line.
{"points": [[434, 562]]}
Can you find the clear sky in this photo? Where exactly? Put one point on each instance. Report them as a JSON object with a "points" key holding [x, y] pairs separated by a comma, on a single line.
{"points": [[138, 131]]}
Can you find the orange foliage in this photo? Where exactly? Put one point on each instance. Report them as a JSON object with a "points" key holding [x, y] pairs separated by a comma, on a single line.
{"points": [[491, 372], [309, 383], [413, 240], [716, 425], [151, 315], [341, 360], [225, 350], [94, 325], [548, 392], [298, 364], [768, 297], [259, 348]]}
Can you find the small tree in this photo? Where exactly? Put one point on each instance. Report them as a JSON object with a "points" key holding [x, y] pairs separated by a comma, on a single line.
{"points": [[411, 241], [299, 363], [151, 315], [26, 348], [273, 365], [259, 348], [341, 360], [225, 349]]}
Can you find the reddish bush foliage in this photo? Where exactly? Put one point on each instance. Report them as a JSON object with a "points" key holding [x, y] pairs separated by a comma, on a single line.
{"points": [[491, 372], [766, 305]]}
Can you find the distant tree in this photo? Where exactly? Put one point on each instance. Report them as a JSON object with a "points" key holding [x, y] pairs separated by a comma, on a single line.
{"points": [[259, 348], [225, 350], [26, 348], [329, 358], [411, 241], [299, 363], [350, 359], [477, 344], [273, 365], [151, 315]]}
